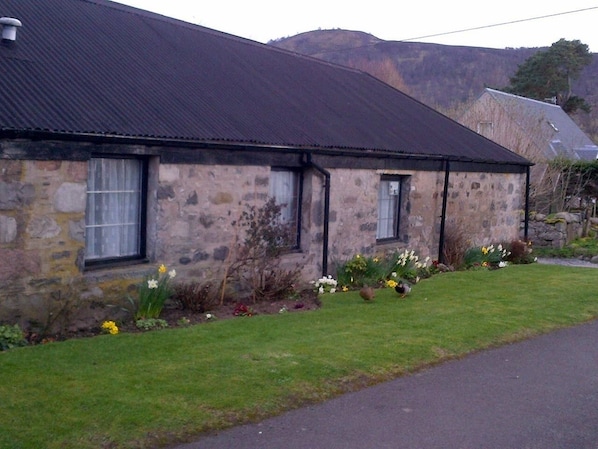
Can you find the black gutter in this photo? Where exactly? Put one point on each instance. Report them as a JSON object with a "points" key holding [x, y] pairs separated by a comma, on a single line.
{"points": [[325, 236], [527, 193], [443, 213], [153, 141]]}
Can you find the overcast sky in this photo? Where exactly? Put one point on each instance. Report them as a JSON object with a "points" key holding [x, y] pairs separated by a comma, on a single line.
{"points": [[264, 20]]}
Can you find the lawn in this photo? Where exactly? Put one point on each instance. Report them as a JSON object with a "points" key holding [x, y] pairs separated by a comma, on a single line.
{"points": [[155, 389]]}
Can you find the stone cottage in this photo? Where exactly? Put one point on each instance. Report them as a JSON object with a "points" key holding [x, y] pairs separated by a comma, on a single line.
{"points": [[129, 139], [537, 130]]}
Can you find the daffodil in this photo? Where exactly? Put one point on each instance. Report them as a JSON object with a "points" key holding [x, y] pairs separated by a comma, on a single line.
{"points": [[162, 269], [172, 273], [152, 283], [110, 327]]}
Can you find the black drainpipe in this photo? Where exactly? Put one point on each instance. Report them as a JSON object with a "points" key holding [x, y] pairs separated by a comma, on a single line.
{"points": [[527, 189], [325, 237], [447, 171]]}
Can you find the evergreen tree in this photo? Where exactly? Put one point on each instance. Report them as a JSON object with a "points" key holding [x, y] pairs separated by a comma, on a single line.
{"points": [[548, 75]]}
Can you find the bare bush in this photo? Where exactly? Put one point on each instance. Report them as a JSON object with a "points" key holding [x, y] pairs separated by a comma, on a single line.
{"points": [[196, 297], [456, 243]]}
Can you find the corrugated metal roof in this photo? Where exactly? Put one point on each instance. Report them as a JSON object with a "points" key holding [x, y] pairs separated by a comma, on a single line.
{"points": [[564, 137], [94, 66]]}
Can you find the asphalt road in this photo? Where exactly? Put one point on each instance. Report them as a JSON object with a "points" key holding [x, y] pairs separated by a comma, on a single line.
{"points": [[537, 394]]}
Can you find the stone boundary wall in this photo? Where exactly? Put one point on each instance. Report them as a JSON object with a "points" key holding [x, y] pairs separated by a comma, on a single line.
{"points": [[555, 231]]}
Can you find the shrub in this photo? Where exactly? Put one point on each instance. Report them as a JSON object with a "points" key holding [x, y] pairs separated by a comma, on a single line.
{"points": [[195, 296], [59, 310], [255, 262], [374, 271], [278, 284], [455, 245], [363, 270], [11, 337], [520, 252]]}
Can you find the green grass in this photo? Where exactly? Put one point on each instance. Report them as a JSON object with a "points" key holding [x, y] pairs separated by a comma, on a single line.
{"points": [[157, 388], [581, 247]]}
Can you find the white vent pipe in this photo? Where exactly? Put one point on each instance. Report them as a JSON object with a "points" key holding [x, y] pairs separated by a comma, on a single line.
{"points": [[9, 28]]}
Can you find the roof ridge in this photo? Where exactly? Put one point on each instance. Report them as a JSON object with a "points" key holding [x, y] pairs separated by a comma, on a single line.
{"points": [[519, 97]]}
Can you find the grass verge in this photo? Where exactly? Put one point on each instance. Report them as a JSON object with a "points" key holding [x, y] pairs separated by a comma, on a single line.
{"points": [[163, 387]]}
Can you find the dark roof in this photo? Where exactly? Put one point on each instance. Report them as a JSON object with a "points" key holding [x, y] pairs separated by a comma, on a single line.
{"points": [[101, 68], [563, 136]]}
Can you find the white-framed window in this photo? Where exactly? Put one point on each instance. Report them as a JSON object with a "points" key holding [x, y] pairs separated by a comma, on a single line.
{"points": [[115, 213], [285, 188], [389, 206]]}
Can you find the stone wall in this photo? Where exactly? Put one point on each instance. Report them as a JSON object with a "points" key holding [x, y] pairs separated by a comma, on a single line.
{"points": [[487, 205], [42, 225], [192, 210], [554, 231]]}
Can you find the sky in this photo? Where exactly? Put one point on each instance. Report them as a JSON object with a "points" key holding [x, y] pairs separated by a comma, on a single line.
{"points": [[265, 20]]}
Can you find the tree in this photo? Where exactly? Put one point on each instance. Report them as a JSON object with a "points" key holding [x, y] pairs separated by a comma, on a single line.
{"points": [[385, 70], [548, 75]]}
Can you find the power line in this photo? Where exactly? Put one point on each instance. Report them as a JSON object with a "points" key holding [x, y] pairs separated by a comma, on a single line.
{"points": [[340, 49], [498, 24]]}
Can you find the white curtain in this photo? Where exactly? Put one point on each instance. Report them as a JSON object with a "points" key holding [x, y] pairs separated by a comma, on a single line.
{"points": [[388, 209], [283, 187], [113, 218]]}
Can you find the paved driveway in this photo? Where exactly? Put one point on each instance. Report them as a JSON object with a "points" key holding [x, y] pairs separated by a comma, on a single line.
{"points": [[540, 394]]}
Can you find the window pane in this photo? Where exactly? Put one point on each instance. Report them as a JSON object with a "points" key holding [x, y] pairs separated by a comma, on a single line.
{"points": [[388, 209], [113, 219], [284, 189]]}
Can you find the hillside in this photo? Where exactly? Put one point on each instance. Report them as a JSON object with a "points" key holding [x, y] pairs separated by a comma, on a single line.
{"points": [[442, 76]]}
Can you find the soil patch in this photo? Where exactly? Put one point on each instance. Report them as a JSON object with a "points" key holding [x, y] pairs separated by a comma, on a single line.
{"points": [[177, 317], [307, 300]]}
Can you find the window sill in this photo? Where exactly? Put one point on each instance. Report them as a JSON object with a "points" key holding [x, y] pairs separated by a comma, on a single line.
{"points": [[114, 263]]}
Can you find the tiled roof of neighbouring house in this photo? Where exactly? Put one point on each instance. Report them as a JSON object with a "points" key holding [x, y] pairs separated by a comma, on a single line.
{"points": [[100, 68], [564, 137]]}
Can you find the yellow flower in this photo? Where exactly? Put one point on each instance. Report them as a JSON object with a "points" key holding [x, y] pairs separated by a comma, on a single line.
{"points": [[345, 288], [390, 283], [162, 269], [485, 250], [110, 327]]}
